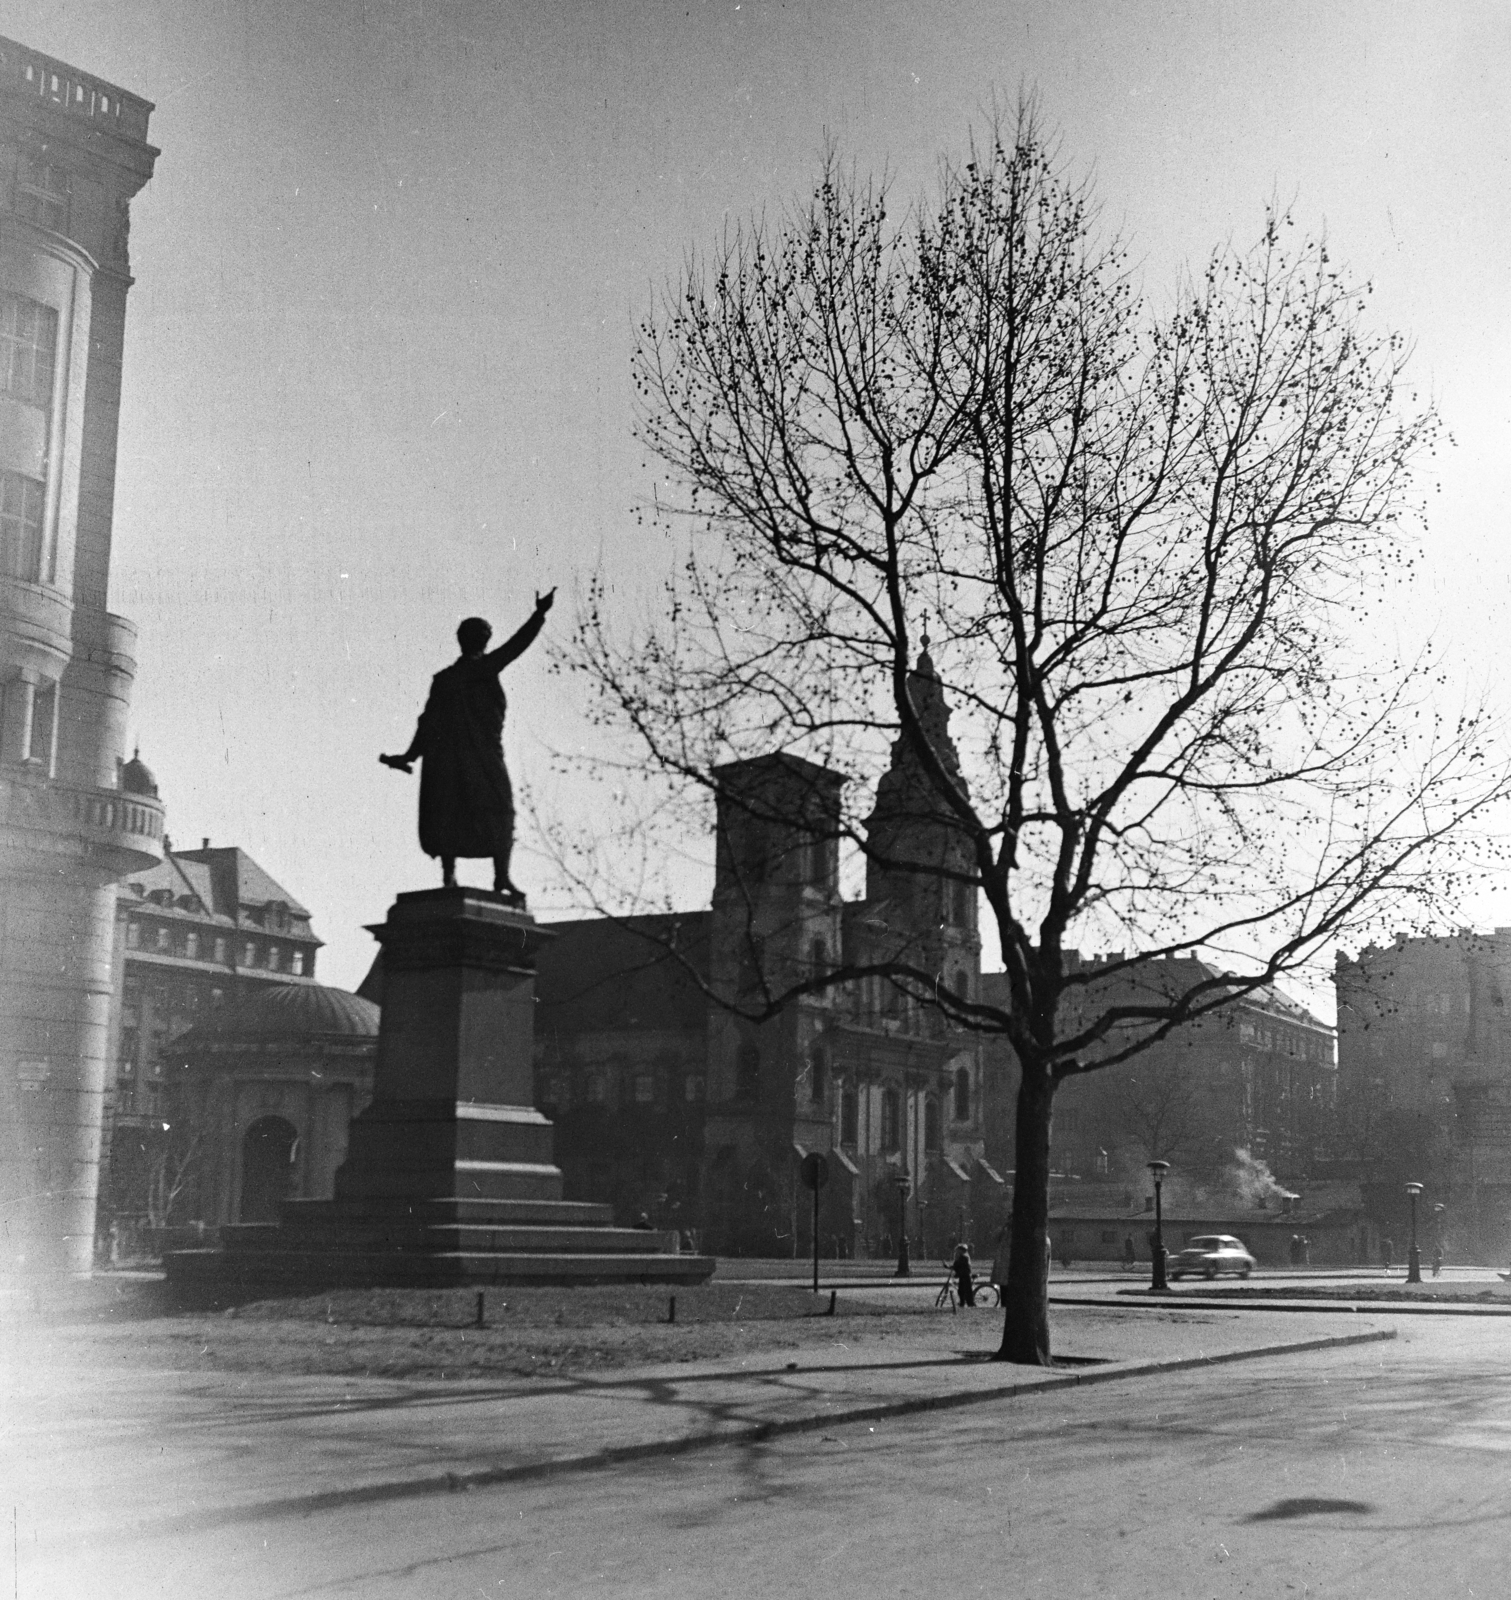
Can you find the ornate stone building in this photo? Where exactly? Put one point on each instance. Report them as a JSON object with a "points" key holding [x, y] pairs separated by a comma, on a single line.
{"points": [[73, 153], [195, 933], [1424, 1069], [1259, 1074]]}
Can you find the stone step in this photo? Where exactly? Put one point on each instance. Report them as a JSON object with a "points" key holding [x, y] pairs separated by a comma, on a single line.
{"points": [[215, 1277], [410, 1234], [509, 1213]]}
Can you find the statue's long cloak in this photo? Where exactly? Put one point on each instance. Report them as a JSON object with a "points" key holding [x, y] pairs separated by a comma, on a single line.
{"points": [[466, 799]]}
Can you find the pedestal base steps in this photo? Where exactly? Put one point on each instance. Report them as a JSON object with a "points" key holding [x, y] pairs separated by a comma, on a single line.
{"points": [[397, 1243], [450, 1176]]}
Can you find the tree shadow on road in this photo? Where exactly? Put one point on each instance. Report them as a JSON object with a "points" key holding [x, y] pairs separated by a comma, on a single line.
{"points": [[1308, 1505]]}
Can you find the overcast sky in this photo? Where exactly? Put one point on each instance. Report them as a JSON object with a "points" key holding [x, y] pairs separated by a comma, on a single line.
{"points": [[389, 270]]}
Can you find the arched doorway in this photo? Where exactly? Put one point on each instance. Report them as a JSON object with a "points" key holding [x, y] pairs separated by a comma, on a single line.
{"points": [[268, 1150]]}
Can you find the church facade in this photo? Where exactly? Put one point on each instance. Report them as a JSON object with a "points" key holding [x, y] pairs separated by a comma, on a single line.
{"points": [[672, 1097]]}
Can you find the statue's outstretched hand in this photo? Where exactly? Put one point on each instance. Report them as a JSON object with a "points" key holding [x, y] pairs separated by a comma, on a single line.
{"points": [[398, 763], [544, 602]]}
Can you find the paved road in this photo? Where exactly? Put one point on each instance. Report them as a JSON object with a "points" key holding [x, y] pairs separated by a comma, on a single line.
{"points": [[1374, 1472]]}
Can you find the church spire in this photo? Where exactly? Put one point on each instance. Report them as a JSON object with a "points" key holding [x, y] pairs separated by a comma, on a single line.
{"points": [[912, 828]]}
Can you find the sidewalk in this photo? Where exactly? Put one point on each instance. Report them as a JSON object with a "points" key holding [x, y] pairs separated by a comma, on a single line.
{"points": [[102, 1457]]}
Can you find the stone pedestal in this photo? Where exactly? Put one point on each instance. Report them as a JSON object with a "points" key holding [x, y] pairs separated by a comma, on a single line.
{"points": [[450, 1175], [453, 1113]]}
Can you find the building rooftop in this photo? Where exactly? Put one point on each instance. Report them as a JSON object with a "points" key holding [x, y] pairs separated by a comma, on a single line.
{"points": [[599, 974], [95, 105]]}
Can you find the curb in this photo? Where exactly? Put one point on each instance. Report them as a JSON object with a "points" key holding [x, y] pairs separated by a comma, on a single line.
{"points": [[752, 1433], [1376, 1308]]}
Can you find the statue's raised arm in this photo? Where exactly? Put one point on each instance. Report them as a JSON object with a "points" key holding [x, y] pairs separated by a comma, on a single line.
{"points": [[466, 799], [516, 645]]}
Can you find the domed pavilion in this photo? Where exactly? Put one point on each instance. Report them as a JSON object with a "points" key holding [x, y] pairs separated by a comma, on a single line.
{"points": [[268, 1084]]}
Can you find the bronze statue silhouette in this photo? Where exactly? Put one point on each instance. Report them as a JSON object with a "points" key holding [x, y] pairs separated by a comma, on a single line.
{"points": [[466, 800]]}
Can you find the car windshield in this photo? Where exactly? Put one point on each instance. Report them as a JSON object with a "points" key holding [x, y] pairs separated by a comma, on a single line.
{"points": [[1205, 1244]]}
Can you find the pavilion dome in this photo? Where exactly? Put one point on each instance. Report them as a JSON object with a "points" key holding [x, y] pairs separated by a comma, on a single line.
{"points": [[136, 776], [290, 1011]]}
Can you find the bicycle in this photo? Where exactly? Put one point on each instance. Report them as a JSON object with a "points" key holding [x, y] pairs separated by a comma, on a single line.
{"points": [[986, 1293]]}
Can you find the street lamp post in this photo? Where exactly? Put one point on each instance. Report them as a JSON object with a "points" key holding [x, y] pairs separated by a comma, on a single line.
{"points": [[904, 1183], [1158, 1284], [1413, 1256]]}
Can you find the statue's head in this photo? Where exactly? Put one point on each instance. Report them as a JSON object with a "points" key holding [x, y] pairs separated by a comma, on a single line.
{"points": [[473, 635]]}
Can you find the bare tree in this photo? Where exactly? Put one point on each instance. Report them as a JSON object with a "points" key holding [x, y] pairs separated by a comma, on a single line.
{"points": [[1139, 544], [172, 1168], [1159, 1107]]}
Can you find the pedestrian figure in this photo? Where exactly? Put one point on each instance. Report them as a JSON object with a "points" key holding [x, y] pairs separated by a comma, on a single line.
{"points": [[1387, 1253], [1437, 1260], [964, 1283], [1306, 1251], [1130, 1255]]}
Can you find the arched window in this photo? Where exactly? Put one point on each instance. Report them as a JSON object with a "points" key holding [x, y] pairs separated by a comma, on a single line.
{"points": [[891, 1121], [963, 1095], [818, 1073], [849, 1115], [748, 1071]]}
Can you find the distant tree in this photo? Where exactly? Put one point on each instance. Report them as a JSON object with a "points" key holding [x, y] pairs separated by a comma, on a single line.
{"points": [[174, 1159], [1141, 544], [1159, 1108]]}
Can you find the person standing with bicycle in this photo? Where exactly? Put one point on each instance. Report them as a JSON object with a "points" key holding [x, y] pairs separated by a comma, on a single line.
{"points": [[965, 1281]]}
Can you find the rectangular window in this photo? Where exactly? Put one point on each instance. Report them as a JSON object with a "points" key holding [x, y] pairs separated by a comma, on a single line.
{"points": [[274, 955], [891, 1131], [20, 527], [191, 945], [222, 951], [133, 933], [296, 963], [44, 716], [28, 346], [249, 954], [848, 1117], [164, 937], [42, 194]]}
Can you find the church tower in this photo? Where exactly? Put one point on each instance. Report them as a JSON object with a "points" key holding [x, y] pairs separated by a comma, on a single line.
{"points": [[73, 153], [919, 856], [776, 919]]}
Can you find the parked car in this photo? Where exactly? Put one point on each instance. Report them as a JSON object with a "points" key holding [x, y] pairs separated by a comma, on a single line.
{"points": [[1212, 1253]]}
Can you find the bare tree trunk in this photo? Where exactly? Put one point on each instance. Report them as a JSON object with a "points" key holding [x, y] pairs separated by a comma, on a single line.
{"points": [[1025, 1331]]}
